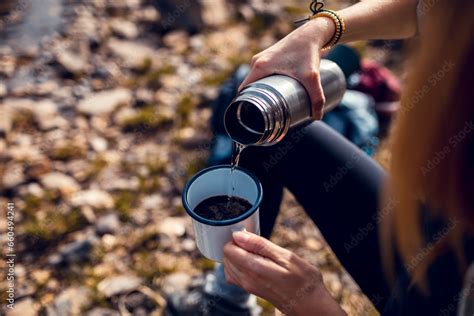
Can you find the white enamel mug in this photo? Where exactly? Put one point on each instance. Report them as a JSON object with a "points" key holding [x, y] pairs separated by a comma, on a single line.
{"points": [[212, 235]]}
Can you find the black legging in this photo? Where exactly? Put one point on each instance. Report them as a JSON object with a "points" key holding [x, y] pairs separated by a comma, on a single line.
{"points": [[337, 184]]}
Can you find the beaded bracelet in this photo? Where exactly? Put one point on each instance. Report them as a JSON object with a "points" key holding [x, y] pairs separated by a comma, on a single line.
{"points": [[338, 22]]}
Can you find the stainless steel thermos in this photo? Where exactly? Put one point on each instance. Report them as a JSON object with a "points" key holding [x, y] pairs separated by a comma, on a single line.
{"points": [[265, 110]]}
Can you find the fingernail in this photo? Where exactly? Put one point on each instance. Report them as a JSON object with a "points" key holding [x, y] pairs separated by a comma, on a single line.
{"points": [[241, 237]]}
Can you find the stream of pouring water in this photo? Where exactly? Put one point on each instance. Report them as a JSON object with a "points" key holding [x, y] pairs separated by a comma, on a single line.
{"points": [[234, 164]]}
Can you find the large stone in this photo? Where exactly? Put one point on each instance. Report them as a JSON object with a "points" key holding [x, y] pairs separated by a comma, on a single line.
{"points": [[178, 40], [59, 181], [119, 285], [35, 190], [132, 53], [75, 252], [23, 307], [38, 167], [71, 301], [105, 101], [77, 168], [46, 114], [107, 224], [13, 176], [108, 181], [19, 104], [175, 282], [215, 12], [93, 198], [152, 202], [139, 303], [173, 226], [25, 153], [23, 82], [99, 144], [71, 62], [124, 115], [124, 28]]}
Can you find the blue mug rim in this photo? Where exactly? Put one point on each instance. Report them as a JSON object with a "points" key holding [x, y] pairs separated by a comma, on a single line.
{"points": [[225, 222]]}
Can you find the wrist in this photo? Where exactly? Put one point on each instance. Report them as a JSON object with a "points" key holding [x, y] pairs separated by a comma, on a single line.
{"points": [[323, 30], [319, 302]]}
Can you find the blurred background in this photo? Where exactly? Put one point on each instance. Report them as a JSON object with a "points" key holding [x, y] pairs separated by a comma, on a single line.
{"points": [[104, 114]]}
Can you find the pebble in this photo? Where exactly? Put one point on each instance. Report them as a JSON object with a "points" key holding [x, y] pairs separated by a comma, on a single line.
{"points": [[38, 167], [107, 224], [23, 307], [35, 189], [41, 276], [333, 283], [139, 303], [94, 198], [215, 13], [45, 113], [104, 102], [175, 282], [133, 54], [188, 245], [112, 183], [124, 28], [71, 62], [154, 201], [118, 285], [144, 96], [71, 301], [74, 252], [173, 226], [178, 40], [109, 242], [313, 244], [13, 176], [59, 181], [99, 144]]}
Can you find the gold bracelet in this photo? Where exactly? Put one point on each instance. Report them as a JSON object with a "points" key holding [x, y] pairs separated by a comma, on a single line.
{"points": [[338, 22]]}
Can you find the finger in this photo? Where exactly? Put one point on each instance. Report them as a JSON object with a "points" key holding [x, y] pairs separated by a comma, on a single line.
{"points": [[251, 77], [312, 84], [234, 272], [244, 280], [263, 247], [260, 68], [229, 275], [252, 263]]}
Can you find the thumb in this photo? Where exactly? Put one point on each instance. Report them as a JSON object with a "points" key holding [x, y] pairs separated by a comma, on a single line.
{"points": [[259, 245]]}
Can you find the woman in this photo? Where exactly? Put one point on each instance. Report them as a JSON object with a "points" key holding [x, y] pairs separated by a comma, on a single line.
{"points": [[408, 244]]}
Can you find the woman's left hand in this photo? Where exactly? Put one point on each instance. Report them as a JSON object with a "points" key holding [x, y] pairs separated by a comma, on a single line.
{"points": [[281, 277]]}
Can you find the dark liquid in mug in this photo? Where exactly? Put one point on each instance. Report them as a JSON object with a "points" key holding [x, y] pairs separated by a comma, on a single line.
{"points": [[222, 207]]}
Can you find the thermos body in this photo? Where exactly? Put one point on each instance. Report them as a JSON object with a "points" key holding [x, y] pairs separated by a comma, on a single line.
{"points": [[264, 111]]}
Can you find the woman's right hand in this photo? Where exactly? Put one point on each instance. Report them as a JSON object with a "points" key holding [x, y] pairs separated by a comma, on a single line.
{"points": [[297, 56]]}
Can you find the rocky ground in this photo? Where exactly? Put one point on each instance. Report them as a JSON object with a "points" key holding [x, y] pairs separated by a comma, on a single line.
{"points": [[101, 124]]}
